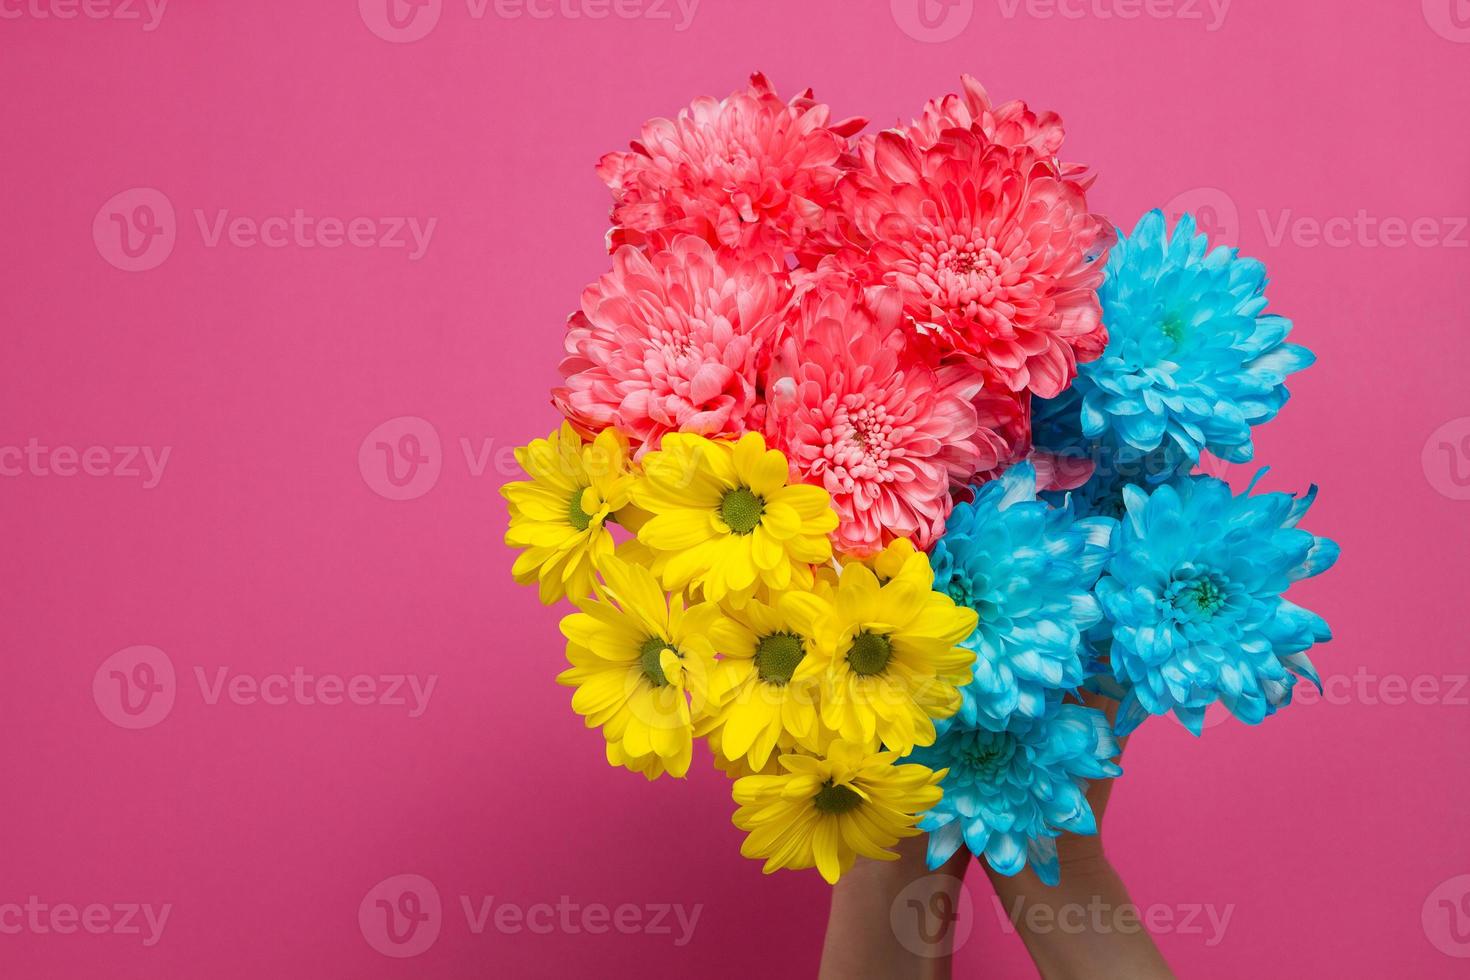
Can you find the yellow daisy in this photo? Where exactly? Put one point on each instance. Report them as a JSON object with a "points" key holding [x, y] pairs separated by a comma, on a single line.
{"points": [[764, 690], [824, 811], [893, 663], [560, 515], [900, 559], [638, 656], [725, 519], [740, 765]]}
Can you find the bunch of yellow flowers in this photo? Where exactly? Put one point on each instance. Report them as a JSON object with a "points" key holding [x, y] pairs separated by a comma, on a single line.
{"points": [[720, 612]]}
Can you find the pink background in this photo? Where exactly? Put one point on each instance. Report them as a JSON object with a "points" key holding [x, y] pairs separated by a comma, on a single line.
{"points": [[266, 545]]}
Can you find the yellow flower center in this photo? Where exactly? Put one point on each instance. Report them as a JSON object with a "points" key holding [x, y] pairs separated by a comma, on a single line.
{"points": [[869, 653], [650, 659], [777, 656], [741, 510], [836, 799]]}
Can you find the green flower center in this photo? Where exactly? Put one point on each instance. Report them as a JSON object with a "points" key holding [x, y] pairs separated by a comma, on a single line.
{"points": [[988, 755], [836, 799], [777, 656], [741, 509], [650, 658], [1203, 596], [869, 653], [581, 520], [962, 590], [1173, 327]]}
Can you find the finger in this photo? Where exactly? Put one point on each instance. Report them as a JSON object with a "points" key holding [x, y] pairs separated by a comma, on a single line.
{"points": [[1109, 707]]}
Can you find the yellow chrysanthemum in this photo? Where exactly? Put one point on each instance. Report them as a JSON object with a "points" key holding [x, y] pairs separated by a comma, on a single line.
{"points": [[900, 559], [764, 691], [739, 766], [824, 811], [638, 656], [725, 519], [560, 515], [892, 660]]}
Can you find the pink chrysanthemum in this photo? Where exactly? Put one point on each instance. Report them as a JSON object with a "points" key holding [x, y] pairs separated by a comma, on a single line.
{"points": [[860, 413], [992, 249], [747, 172], [1006, 415], [1011, 124], [672, 342]]}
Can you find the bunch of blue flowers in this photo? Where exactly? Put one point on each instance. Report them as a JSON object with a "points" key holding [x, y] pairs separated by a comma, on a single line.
{"points": [[1193, 363], [1018, 752], [1149, 583]]}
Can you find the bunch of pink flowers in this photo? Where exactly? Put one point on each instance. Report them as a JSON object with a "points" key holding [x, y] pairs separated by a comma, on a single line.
{"points": [[880, 308]]}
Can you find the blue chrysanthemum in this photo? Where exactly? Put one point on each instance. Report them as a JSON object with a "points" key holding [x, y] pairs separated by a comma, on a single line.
{"points": [[1192, 360], [1193, 606], [1056, 428], [1028, 570], [1009, 794]]}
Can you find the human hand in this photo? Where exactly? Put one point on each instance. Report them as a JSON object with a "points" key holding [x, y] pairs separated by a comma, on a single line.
{"points": [[1086, 925]]}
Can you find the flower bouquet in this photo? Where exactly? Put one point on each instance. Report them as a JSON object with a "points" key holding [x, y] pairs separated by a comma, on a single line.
{"points": [[878, 450]]}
